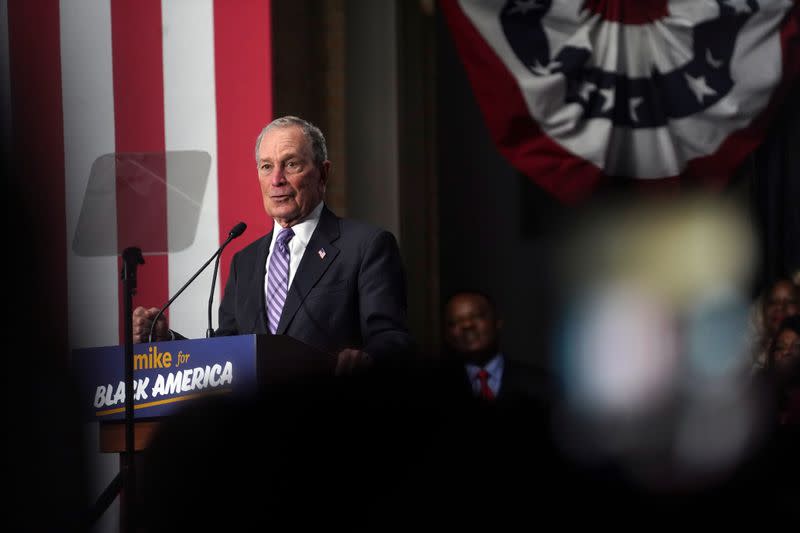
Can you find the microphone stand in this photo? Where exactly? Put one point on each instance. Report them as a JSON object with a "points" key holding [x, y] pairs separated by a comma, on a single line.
{"points": [[131, 258], [180, 291], [235, 232], [124, 482], [210, 330]]}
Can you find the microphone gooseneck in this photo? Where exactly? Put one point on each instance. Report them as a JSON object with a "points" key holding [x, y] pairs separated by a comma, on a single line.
{"points": [[236, 231]]}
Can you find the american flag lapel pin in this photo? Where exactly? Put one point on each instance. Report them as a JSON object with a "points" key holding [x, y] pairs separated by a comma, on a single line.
{"points": [[321, 253]]}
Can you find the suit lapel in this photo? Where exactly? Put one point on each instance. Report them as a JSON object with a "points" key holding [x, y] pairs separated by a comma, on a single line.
{"points": [[312, 266], [257, 289]]}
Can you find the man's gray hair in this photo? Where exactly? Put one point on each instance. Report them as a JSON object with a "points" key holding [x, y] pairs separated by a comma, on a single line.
{"points": [[312, 133]]}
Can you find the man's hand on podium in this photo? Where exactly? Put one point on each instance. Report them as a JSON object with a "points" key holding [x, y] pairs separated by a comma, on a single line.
{"points": [[143, 320], [350, 360]]}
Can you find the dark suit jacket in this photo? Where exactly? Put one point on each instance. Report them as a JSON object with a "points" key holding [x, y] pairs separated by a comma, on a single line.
{"points": [[520, 385], [352, 296]]}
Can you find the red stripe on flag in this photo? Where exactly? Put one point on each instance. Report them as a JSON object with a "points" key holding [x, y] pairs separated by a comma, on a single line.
{"points": [[243, 63], [139, 129], [628, 12], [37, 154]]}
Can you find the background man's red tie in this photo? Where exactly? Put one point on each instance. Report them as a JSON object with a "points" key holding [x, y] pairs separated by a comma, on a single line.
{"points": [[486, 392]]}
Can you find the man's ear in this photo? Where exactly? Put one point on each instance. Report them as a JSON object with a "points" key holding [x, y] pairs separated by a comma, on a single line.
{"points": [[324, 172], [498, 324]]}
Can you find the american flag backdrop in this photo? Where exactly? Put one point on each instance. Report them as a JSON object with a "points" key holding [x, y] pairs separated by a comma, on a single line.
{"points": [[579, 94], [84, 78]]}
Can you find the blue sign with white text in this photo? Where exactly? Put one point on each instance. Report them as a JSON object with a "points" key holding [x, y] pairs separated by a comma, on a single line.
{"points": [[166, 374]]}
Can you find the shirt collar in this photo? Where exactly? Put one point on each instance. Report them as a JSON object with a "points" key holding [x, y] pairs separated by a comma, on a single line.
{"points": [[494, 367], [303, 229]]}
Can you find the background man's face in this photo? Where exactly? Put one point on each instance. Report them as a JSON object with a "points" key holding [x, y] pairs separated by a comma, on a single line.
{"points": [[291, 184], [471, 326]]}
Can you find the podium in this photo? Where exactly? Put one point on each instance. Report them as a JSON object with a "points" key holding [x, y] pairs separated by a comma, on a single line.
{"points": [[169, 375]]}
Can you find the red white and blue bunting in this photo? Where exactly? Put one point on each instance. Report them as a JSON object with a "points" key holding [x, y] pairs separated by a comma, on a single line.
{"points": [[577, 94]]}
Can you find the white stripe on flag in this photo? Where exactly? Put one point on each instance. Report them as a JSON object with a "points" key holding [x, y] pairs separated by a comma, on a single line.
{"points": [[92, 282], [88, 100], [190, 124]]}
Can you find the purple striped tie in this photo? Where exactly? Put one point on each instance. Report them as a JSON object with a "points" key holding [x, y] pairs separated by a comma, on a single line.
{"points": [[278, 278]]}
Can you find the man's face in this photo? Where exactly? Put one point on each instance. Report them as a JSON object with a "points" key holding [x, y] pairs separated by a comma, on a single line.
{"points": [[291, 184], [470, 326]]}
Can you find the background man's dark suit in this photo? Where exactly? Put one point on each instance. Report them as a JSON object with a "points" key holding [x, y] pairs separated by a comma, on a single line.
{"points": [[351, 295]]}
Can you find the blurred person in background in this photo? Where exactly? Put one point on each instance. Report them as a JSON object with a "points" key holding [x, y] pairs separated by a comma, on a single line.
{"points": [[769, 477], [472, 335], [491, 438], [781, 299], [783, 366]]}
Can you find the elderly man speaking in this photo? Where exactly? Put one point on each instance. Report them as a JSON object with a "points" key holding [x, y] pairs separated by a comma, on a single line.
{"points": [[333, 283]]}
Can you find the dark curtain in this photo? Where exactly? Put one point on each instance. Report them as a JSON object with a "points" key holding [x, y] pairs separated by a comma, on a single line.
{"points": [[775, 194]]}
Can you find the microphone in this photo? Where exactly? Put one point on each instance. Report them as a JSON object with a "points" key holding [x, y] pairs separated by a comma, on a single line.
{"points": [[237, 230]]}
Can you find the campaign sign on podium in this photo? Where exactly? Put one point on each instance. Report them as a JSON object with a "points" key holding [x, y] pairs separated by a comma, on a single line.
{"points": [[168, 374]]}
